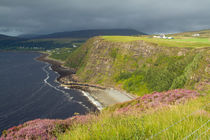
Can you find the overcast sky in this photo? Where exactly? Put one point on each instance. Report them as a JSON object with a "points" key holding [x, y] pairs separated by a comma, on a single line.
{"points": [[150, 16]]}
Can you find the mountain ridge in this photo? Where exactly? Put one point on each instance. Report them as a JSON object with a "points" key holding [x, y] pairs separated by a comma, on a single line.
{"points": [[89, 33]]}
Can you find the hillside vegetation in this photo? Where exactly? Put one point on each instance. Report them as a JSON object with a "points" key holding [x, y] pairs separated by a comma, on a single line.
{"points": [[141, 66], [130, 121], [176, 114], [11, 43], [190, 42]]}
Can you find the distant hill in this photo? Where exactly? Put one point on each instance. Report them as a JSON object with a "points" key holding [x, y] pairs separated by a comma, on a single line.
{"points": [[29, 36], [5, 37], [91, 33], [24, 43], [9, 42], [203, 33]]}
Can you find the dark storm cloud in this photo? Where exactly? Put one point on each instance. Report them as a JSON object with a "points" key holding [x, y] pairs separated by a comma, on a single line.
{"points": [[45, 16]]}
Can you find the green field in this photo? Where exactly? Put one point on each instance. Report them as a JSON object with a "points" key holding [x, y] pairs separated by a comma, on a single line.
{"points": [[178, 41], [61, 53], [203, 34]]}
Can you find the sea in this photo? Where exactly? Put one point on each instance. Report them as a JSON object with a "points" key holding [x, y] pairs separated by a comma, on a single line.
{"points": [[29, 90]]}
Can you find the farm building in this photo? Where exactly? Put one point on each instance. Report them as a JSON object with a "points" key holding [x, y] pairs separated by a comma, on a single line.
{"points": [[163, 36]]}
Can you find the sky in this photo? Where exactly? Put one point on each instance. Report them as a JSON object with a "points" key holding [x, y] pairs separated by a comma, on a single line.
{"points": [[149, 16]]}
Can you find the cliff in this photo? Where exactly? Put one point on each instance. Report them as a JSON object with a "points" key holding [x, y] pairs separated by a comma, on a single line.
{"points": [[140, 67]]}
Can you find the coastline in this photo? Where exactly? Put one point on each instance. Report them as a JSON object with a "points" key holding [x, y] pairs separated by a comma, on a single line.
{"points": [[99, 96], [56, 66]]}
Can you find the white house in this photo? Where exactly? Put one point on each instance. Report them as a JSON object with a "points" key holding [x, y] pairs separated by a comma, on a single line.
{"points": [[196, 35], [163, 36], [74, 46]]}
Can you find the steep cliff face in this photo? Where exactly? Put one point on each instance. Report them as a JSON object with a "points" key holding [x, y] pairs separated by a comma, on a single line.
{"points": [[140, 67]]}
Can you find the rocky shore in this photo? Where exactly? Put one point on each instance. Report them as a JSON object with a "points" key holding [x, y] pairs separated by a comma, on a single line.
{"points": [[105, 96], [56, 66]]}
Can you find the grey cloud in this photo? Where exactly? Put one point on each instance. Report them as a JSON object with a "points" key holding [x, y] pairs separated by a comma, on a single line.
{"points": [[150, 16]]}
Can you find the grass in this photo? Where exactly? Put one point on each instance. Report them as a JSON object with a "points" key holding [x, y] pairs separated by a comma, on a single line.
{"points": [[162, 74], [145, 75], [61, 53], [167, 123], [121, 38], [135, 73], [203, 33], [64, 52], [60, 40], [76, 58], [191, 42]]}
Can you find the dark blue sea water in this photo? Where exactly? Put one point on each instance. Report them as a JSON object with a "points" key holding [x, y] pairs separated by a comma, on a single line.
{"points": [[28, 90]]}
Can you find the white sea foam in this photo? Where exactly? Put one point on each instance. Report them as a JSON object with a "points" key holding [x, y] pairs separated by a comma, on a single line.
{"points": [[46, 82], [66, 88], [65, 93], [50, 68], [92, 100]]}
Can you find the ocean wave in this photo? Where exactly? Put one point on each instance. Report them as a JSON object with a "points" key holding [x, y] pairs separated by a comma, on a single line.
{"points": [[56, 88], [92, 100]]}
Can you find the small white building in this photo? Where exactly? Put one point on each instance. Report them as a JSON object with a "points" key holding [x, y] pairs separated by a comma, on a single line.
{"points": [[74, 46], [196, 35], [163, 36]]}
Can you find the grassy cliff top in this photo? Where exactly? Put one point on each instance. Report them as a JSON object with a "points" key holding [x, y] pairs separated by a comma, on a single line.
{"points": [[178, 41]]}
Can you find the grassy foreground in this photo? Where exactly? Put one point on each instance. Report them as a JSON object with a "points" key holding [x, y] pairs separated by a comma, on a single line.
{"points": [[188, 121], [175, 114]]}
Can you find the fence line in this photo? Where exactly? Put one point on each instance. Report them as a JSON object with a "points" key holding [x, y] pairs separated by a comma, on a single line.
{"points": [[177, 122], [202, 133], [196, 130]]}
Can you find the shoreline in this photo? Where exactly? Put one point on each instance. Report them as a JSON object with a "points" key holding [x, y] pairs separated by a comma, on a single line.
{"points": [[99, 96], [56, 66]]}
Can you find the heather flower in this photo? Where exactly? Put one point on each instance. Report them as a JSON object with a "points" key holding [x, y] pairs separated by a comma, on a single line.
{"points": [[45, 129], [158, 99]]}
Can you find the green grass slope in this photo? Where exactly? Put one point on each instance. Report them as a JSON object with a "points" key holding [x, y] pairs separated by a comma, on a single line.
{"points": [[175, 114], [129, 122]]}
